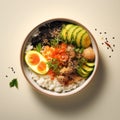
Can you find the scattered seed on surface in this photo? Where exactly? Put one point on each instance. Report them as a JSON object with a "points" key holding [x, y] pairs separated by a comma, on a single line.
{"points": [[6, 76], [113, 45], [106, 38], [12, 69], [105, 41], [95, 29], [113, 37]]}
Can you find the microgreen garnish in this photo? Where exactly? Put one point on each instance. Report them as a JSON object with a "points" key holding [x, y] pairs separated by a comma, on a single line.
{"points": [[14, 83], [39, 47], [55, 41], [54, 65], [82, 61], [79, 50]]}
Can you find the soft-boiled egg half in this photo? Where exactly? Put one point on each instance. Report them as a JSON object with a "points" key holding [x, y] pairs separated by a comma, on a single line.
{"points": [[37, 62]]}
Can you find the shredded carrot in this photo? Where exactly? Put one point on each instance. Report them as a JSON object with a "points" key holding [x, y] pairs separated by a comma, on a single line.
{"points": [[59, 53]]}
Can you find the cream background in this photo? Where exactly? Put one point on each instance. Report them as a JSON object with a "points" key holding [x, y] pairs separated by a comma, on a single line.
{"points": [[99, 101]]}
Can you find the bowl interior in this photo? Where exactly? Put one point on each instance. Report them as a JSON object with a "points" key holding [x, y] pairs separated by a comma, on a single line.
{"points": [[27, 73]]}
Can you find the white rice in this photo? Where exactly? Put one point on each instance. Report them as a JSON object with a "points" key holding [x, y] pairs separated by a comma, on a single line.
{"points": [[45, 81]]}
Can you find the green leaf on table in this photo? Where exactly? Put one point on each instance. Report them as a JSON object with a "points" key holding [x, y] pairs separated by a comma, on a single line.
{"points": [[14, 83]]}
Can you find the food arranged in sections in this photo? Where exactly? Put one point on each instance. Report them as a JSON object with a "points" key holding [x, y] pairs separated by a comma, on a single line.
{"points": [[62, 51]]}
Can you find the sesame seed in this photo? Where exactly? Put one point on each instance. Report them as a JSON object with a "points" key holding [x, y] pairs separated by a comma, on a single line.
{"points": [[113, 45], [113, 37]]}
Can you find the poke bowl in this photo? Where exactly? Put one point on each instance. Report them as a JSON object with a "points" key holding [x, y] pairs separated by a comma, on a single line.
{"points": [[59, 57]]}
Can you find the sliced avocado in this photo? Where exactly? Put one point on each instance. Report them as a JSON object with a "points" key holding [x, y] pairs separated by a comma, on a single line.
{"points": [[79, 36], [90, 64], [70, 31], [64, 31], [87, 69], [85, 40], [72, 36], [76, 32], [82, 73]]}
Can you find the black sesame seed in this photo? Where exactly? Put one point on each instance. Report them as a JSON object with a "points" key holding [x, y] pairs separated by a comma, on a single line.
{"points": [[110, 56], [6, 76], [105, 32], [102, 43], [95, 29], [113, 45], [100, 32], [107, 47], [113, 37]]}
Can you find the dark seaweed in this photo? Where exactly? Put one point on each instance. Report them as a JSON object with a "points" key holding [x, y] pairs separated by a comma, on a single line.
{"points": [[46, 33]]}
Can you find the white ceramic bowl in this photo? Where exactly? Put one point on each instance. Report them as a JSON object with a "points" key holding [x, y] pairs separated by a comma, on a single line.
{"points": [[27, 73]]}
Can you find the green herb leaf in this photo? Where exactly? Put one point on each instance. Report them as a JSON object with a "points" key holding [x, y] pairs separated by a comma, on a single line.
{"points": [[82, 61], [79, 50], [14, 83], [39, 47], [54, 65], [55, 41]]}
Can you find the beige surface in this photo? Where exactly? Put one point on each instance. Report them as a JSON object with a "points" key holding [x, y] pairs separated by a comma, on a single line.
{"points": [[99, 101]]}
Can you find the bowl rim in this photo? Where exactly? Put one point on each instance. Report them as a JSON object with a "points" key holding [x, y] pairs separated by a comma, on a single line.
{"points": [[51, 93]]}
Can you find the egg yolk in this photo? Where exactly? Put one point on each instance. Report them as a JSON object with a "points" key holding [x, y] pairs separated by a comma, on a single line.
{"points": [[34, 59], [42, 66]]}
